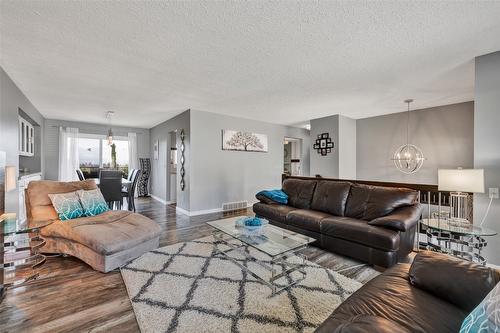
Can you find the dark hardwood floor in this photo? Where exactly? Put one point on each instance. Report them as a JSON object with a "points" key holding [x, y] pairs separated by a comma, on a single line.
{"points": [[69, 296]]}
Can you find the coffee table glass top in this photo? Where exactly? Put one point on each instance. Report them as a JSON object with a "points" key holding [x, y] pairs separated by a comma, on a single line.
{"points": [[271, 240], [457, 228]]}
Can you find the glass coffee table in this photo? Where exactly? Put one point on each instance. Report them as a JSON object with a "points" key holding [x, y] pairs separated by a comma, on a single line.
{"points": [[461, 240], [271, 254]]}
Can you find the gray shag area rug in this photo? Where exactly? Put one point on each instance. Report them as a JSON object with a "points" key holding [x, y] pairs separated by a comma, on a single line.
{"points": [[188, 287]]}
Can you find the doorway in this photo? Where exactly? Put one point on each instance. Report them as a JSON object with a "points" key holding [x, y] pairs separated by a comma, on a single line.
{"points": [[172, 167], [292, 152]]}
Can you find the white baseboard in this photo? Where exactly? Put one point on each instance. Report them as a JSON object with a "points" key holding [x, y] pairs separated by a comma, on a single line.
{"points": [[200, 212], [159, 199]]}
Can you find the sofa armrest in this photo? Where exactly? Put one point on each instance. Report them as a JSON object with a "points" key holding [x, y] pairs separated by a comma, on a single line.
{"points": [[361, 324], [402, 218], [460, 282]]}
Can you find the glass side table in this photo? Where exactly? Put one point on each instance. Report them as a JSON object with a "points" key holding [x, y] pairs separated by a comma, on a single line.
{"points": [[457, 239], [20, 244]]}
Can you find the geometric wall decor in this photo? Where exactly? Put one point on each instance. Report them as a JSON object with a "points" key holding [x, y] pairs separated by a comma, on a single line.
{"points": [[182, 160], [324, 144]]}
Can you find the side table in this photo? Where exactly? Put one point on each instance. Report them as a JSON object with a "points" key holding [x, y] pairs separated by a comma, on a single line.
{"points": [[464, 241], [20, 255]]}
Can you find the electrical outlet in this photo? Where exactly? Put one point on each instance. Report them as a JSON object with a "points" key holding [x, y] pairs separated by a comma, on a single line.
{"points": [[493, 192]]}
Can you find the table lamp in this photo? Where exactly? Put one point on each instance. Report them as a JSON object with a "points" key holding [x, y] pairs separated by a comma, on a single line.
{"points": [[461, 182]]}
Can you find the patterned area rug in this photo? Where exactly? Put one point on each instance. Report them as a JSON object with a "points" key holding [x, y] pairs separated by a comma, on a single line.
{"points": [[188, 287]]}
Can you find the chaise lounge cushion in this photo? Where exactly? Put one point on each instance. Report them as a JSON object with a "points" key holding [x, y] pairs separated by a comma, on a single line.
{"points": [[107, 233], [300, 192], [361, 232], [274, 212], [369, 202], [306, 219]]}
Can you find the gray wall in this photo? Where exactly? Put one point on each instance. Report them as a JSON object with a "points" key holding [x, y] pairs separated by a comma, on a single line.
{"points": [[487, 144], [52, 140], [445, 134], [219, 176], [326, 166], [160, 178], [347, 145], [11, 99]]}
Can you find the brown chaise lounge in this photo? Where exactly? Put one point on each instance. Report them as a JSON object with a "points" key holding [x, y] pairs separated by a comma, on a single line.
{"points": [[370, 223], [105, 242]]}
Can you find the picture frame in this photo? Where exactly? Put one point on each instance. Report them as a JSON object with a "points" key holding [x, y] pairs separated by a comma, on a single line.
{"points": [[156, 149]]}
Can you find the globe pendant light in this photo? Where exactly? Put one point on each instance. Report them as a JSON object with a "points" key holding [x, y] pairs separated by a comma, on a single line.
{"points": [[408, 158]]}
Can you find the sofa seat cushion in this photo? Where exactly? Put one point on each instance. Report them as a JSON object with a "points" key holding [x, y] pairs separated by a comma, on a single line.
{"points": [[300, 192], [272, 211], [331, 197], [306, 219], [107, 233], [370, 202], [392, 297], [360, 231]]}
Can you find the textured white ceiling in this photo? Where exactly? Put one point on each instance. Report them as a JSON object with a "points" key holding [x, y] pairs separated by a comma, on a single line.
{"points": [[280, 61]]}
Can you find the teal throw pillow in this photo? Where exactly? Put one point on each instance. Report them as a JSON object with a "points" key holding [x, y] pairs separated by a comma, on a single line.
{"points": [[486, 316], [67, 205], [93, 202]]}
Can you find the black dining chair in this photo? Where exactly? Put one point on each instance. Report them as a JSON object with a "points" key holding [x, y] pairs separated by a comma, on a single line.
{"points": [[80, 174], [110, 184], [129, 193]]}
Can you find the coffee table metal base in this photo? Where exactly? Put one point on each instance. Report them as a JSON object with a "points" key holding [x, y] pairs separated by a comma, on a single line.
{"points": [[278, 266]]}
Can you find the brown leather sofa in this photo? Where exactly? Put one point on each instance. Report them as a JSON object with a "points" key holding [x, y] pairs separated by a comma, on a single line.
{"points": [[370, 223], [433, 295]]}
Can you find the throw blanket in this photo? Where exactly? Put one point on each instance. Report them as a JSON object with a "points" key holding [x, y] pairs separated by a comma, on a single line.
{"points": [[275, 195]]}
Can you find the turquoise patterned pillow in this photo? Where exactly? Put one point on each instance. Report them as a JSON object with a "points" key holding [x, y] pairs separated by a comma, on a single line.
{"points": [[93, 202], [67, 205], [486, 316]]}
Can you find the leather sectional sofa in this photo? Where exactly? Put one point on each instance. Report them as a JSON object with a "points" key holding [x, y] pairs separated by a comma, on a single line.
{"points": [[433, 295], [373, 224]]}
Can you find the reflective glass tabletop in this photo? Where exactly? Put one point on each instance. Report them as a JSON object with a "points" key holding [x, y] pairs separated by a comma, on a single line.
{"points": [[447, 225], [271, 240], [9, 224]]}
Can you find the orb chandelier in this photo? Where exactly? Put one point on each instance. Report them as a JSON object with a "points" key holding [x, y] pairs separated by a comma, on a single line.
{"points": [[408, 158]]}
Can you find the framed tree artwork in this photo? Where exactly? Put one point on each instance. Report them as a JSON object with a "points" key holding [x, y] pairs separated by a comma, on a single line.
{"points": [[244, 141], [323, 144]]}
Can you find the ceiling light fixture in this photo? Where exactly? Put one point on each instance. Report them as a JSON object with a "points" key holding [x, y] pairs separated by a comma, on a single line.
{"points": [[109, 115], [408, 158]]}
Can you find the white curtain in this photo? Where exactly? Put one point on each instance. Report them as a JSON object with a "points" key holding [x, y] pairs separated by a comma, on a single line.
{"points": [[133, 159], [68, 154]]}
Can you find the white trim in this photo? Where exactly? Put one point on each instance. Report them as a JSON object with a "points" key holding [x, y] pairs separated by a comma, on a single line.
{"points": [[202, 212], [159, 199]]}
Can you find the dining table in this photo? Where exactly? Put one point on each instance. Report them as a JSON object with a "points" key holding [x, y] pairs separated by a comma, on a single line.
{"points": [[125, 182]]}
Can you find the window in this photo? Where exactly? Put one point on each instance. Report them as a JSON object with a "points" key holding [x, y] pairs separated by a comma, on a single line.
{"points": [[95, 153]]}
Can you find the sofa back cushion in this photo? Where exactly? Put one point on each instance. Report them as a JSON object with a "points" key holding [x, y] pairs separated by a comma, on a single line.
{"points": [[368, 202], [38, 204], [300, 192], [331, 197]]}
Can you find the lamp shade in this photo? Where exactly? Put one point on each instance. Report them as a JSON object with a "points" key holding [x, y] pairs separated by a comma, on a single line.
{"points": [[461, 180], [10, 178]]}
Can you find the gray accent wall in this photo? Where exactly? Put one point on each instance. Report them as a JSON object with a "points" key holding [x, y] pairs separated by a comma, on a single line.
{"points": [[52, 140], [341, 162], [11, 100], [444, 133], [219, 176], [160, 173], [487, 145]]}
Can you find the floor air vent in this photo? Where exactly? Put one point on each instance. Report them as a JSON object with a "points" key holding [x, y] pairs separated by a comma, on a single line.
{"points": [[228, 206]]}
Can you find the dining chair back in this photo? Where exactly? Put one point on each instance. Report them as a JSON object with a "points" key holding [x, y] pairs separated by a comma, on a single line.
{"points": [[131, 174], [110, 184], [80, 174]]}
